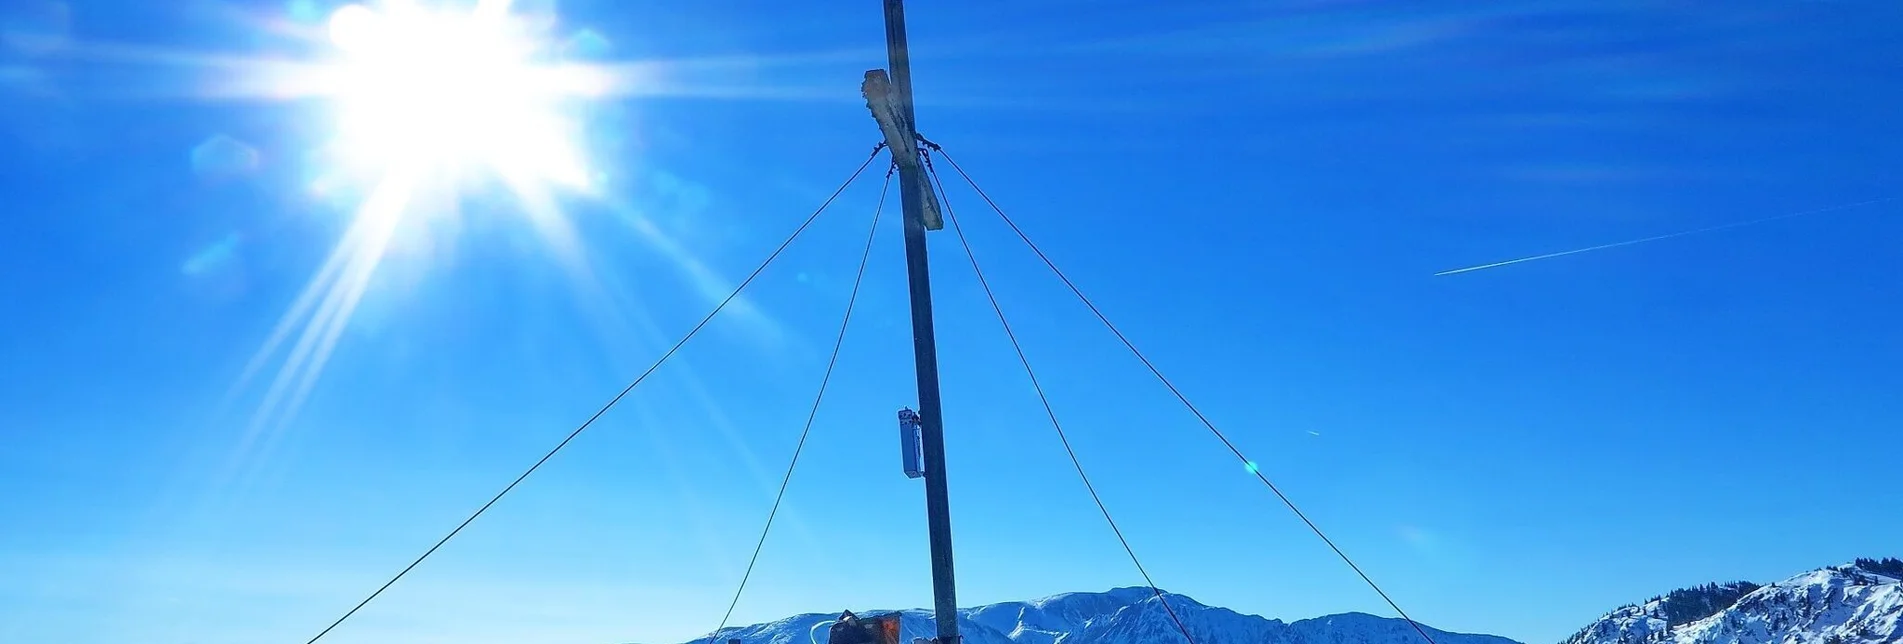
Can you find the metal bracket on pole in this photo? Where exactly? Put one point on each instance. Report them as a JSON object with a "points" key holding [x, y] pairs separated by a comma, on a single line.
{"points": [[901, 138], [909, 453]]}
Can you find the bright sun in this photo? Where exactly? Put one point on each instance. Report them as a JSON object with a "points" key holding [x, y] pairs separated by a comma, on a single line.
{"points": [[427, 90], [427, 98]]}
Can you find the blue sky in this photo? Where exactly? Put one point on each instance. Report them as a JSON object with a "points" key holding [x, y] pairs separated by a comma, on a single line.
{"points": [[1258, 192]]}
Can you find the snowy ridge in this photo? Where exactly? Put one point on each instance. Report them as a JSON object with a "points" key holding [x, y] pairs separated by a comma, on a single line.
{"points": [[1856, 603], [1848, 604], [1119, 616]]}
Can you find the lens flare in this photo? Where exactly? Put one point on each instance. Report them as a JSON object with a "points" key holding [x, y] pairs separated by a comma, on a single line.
{"points": [[426, 100], [446, 90]]}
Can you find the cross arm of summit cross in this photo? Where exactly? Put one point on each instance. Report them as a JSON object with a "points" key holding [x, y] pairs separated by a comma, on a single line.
{"points": [[900, 134]]}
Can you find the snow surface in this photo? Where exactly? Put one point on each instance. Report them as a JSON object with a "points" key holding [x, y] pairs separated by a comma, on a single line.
{"points": [[1835, 605]]}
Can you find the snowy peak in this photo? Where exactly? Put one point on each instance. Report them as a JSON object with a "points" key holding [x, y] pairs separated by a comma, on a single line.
{"points": [[1119, 616], [1647, 622], [1051, 619], [1151, 621], [1362, 628], [1855, 603]]}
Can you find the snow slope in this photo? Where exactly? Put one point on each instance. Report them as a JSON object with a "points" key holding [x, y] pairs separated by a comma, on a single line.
{"points": [[1848, 604]]}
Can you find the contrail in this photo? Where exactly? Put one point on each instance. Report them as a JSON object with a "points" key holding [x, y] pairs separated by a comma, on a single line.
{"points": [[1629, 242]]}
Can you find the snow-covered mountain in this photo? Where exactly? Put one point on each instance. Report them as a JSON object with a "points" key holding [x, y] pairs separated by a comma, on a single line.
{"points": [[1120, 616], [1856, 603]]}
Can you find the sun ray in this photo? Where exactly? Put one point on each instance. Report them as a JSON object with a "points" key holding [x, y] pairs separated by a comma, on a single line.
{"points": [[545, 215], [426, 103], [706, 280], [323, 310], [385, 209]]}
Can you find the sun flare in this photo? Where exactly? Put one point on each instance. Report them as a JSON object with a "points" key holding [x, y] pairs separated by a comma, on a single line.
{"points": [[434, 89], [426, 99]]}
